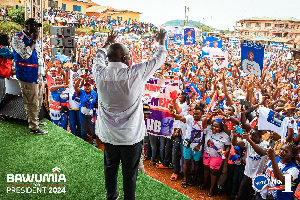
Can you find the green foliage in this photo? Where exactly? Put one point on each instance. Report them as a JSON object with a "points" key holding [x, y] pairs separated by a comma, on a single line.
{"points": [[88, 30], [205, 28], [17, 15], [46, 27], [180, 23], [226, 31], [10, 27], [103, 31]]}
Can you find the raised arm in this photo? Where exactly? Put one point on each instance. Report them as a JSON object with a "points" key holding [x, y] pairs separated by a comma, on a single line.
{"points": [[19, 46], [177, 117]]}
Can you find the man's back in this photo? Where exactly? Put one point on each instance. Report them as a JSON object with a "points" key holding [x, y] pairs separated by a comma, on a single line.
{"points": [[120, 91]]}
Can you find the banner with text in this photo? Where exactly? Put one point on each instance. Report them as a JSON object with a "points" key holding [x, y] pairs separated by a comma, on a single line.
{"points": [[220, 59], [157, 94]]}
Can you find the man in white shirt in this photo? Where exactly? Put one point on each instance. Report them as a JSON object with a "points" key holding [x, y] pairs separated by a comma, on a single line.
{"points": [[121, 121], [255, 160], [249, 66]]}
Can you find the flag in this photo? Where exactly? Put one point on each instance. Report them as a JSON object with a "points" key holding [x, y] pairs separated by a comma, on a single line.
{"points": [[212, 103], [274, 121], [134, 57]]}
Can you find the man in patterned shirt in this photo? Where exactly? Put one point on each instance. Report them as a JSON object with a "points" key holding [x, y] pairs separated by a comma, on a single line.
{"points": [[30, 70]]}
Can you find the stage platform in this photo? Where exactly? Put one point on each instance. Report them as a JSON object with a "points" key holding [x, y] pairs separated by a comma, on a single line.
{"points": [[71, 168]]}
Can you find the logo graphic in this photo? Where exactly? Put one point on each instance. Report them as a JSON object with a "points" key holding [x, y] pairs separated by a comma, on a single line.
{"points": [[56, 170], [218, 62], [37, 183], [259, 182], [146, 99], [275, 118]]}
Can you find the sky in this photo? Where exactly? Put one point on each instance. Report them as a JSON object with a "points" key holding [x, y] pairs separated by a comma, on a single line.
{"points": [[220, 14]]}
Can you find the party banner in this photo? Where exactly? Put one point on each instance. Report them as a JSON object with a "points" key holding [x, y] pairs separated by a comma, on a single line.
{"points": [[177, 39], [211, 44], [157, 93], [220, 59], [234, 40], [189, 36], [274, 121], [277, 44], [252, 57]]}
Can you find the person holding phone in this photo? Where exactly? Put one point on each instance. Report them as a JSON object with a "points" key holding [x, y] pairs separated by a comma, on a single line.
{"points": [[30, 70], [255, 159]]}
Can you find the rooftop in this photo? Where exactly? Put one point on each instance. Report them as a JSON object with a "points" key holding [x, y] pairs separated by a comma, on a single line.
{"points": [[270, 19]]}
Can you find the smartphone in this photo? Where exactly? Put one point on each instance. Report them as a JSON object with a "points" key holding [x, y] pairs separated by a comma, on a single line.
{"points": [[239, 130], [272, 144]]}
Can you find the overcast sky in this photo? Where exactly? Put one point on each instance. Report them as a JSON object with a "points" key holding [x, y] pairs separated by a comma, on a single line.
{"points": [[219, 14]]}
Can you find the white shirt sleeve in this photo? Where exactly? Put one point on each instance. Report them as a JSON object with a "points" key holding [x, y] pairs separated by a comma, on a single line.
{"points": [[19, 46], [147, 68]]}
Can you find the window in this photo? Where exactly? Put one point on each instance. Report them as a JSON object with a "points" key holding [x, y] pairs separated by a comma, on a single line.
{"points": [[257, 24], [64, 6], [52, 4], [76, 8], [267, 24], [248, 25]]}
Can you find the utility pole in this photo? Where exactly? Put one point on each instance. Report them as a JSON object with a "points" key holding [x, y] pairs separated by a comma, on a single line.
{"points": [[35, 7], [186, 15]]}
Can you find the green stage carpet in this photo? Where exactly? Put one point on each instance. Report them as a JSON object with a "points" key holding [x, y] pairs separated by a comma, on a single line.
{"points": [[81, 174]]}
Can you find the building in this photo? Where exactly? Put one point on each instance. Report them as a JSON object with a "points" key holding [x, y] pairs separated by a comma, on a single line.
{"points": [[112, 13], [268, 27], [78, 6], [82, 6]]}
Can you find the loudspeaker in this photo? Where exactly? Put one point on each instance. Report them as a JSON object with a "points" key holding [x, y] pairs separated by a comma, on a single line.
{"points": [[66, 31], [56, 30], [69, 42], [67, 51], [65, 42], [55, 50], [57, 41], [69, 31]]}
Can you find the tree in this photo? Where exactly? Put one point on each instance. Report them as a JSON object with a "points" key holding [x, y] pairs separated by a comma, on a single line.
{"points": [[17, 15], [204, 28]]}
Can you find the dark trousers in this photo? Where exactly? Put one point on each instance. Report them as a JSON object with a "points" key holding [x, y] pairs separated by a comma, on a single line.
{"points": [[246, 190], [172, 153], [86, 125], [129, 155], [75, 124], [176, 154], [147, 146], [235, 176]]}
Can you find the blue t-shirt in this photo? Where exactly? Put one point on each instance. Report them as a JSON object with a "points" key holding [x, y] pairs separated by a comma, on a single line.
{"points": [[91, 98], [60, 96]]}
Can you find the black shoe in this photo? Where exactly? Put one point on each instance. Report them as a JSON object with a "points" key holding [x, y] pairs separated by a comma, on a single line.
{"points": [[117, 194], [42, 123], [39, 132]]}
